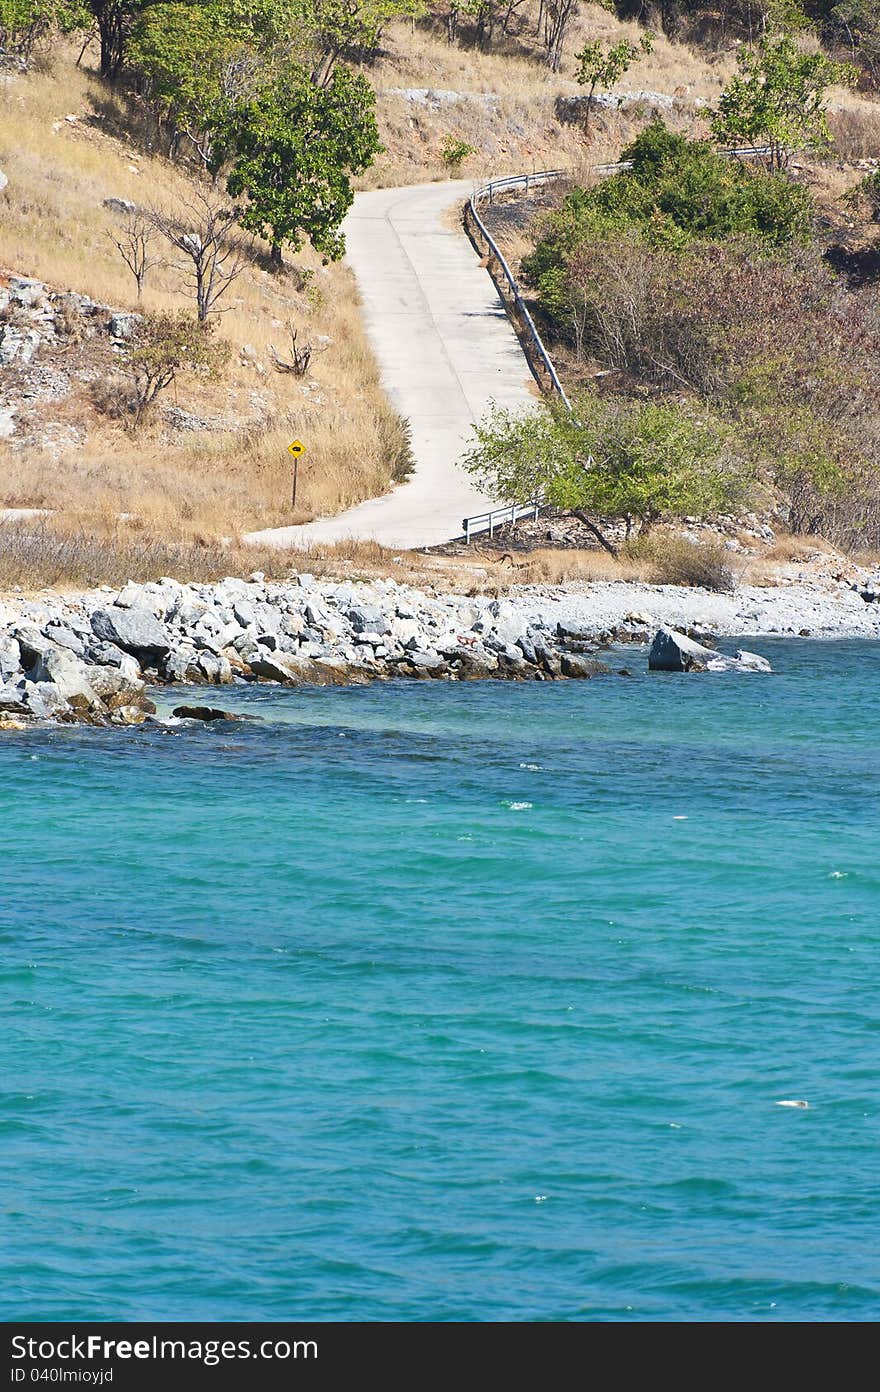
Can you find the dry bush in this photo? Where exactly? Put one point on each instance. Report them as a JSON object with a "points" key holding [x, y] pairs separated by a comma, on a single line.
{"points": [[673, 560], [856, 132], [40, 555]]}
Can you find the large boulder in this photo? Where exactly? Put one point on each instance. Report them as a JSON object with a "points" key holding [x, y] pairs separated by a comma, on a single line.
{"points": [[135, 630], [115, 687], [672, 651], [10, 656], [365, 618], [182, 665], [11, 701], [280, 667], [580, 666], [67, 674]]}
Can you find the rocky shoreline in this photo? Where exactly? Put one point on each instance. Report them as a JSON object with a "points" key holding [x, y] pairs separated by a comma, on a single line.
{"points": [[91, 658]]}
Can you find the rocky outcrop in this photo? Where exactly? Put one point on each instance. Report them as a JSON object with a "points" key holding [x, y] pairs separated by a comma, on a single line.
{"points": [[32, 316], [676, 652], [207, 714]]}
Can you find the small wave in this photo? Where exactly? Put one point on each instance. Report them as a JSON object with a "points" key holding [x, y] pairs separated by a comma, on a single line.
{"points": [[519, 806], [533, 768], [793, 1102]]}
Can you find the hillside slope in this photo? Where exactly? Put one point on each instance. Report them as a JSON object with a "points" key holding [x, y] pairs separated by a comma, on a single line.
{"points": [[215, 460]]}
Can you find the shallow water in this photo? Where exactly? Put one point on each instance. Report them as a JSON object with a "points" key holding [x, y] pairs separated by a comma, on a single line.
{"points": [[440, 1001]]}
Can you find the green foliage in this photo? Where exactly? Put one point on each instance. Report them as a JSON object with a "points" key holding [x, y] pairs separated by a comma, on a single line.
{"points": [[777, 98], [163, 46], [454, 152], [601, 65], [26, 26], [676, 191], [614, 458], [292, 149]]}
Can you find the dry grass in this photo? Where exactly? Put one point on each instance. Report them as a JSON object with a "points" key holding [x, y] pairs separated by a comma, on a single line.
{"points": [[518, 128], [59, 553], [181, 485], [41, 556], [855, 130]]}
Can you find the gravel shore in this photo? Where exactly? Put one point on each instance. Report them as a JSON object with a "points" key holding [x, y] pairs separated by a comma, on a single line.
{"points": [[809, 608]]}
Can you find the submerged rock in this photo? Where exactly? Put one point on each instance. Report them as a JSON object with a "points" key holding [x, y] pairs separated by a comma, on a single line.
{"points": [[205, 713], [578, 665], [672, 651]]}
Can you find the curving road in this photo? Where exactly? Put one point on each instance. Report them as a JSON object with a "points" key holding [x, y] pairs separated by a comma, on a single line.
{"points": [[445, 349]]}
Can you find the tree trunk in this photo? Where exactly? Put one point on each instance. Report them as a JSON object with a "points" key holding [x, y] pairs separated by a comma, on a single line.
{"points": [[276, 257], [111, 30], [591, 526]]}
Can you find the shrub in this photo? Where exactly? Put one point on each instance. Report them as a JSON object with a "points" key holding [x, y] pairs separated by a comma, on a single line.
{"points": [[454, 152], [164, 345], [675, 192], [673, 560]]}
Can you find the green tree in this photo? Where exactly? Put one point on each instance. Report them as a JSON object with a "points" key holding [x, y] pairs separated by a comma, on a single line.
{"points": [[338, 28], [856, 23], [777, 99], [601, 65], [183, 92], [116, 20], [292, 149], [615, 459]]}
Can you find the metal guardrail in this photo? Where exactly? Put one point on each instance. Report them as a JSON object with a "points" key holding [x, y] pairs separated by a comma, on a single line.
{"points": [[486, 194], [478, 231], [488, 521]]}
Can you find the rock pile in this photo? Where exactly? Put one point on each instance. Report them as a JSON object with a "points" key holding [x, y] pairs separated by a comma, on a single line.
{"points": [[90, 659]]}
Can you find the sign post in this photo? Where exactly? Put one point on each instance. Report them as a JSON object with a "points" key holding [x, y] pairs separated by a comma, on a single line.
{"points": [[296, 448]]}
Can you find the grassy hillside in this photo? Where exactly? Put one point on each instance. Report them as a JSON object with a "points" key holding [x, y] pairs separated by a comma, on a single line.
{"points": [[65, 147], [505, 102]]}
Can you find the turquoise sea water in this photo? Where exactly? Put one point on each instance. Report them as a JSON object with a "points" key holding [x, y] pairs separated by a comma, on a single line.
{"points": [[456, 1002]]}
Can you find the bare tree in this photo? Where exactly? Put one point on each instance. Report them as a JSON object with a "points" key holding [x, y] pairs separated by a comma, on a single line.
{"points": [[300, 357], [557, 16], [133, 241], [201, 232]]}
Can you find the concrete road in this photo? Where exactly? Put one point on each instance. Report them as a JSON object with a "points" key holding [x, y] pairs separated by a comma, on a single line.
{"points": [[445, 349]]}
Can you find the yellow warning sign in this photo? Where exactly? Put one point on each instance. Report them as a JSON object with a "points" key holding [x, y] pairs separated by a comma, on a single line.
{"points": [[296, 448]]}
